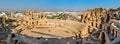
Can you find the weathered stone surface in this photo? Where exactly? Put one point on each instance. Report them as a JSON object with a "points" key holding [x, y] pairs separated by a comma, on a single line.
{"points": [[103, 38], [100, 19]]}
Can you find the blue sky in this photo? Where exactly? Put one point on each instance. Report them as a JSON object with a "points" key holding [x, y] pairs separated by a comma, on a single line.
{"points": [[58, 4]]}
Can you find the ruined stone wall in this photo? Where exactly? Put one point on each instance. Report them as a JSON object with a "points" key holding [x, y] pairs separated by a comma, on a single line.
{"points": [[100, 19], [93, 18]]}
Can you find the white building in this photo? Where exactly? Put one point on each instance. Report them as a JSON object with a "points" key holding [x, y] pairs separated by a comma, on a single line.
{"points": [[2, 14]]}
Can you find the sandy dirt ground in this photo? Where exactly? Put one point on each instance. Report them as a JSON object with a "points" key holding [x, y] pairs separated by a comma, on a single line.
{"points": [[54, 29]]}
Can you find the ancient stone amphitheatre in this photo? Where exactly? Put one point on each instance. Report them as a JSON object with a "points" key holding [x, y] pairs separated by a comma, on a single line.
{"points": [[37, 25], [96, 26]]}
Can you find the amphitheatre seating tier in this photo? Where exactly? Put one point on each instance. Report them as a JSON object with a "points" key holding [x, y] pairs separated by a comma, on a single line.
{"points": [[52, 28]]}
